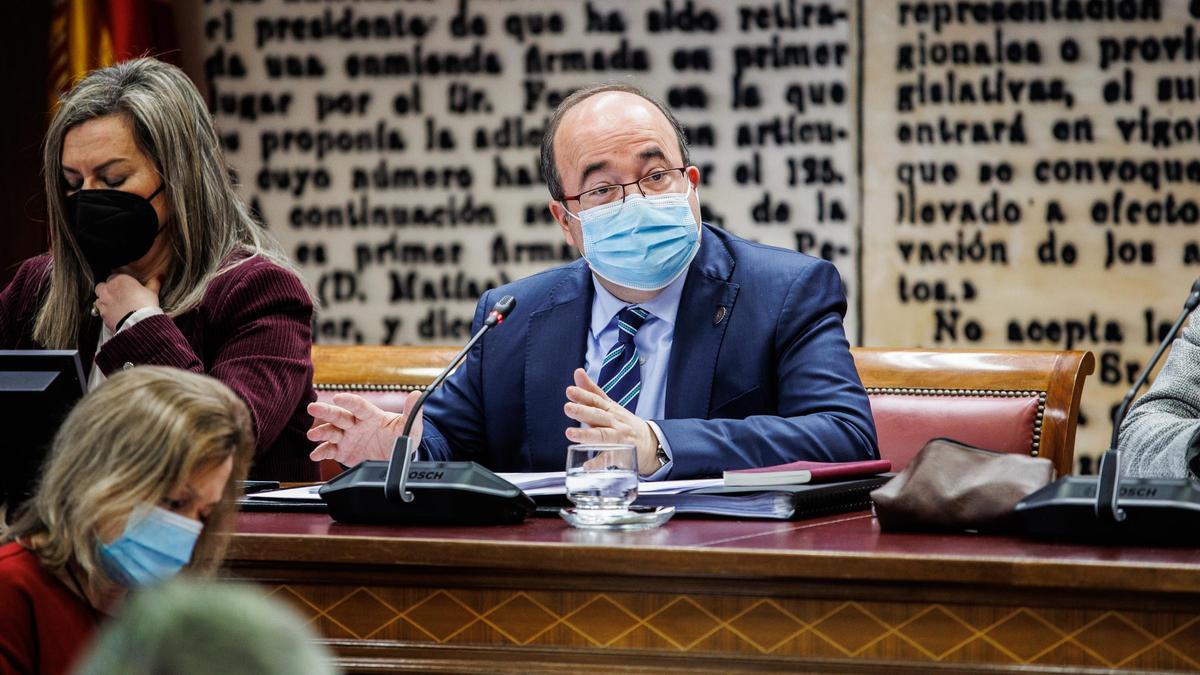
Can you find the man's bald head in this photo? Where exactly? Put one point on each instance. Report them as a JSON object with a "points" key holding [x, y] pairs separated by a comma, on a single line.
{"points": [[549, 166]]}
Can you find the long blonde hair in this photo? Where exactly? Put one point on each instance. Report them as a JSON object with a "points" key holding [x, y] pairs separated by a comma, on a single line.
{"points": [[130, 443], [207, 223]]}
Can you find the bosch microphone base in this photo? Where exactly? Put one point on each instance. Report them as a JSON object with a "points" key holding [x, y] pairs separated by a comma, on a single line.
{"points": [[444, 493], [1158, 511]]}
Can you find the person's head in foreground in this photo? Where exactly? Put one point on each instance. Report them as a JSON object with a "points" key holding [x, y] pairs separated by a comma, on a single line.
{"points": [[141, 209], [139, 484], [622, 188], [194, 629]]}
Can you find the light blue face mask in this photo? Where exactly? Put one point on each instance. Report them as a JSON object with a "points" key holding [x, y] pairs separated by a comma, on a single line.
{"points": [[643, 244], [156, 544]]}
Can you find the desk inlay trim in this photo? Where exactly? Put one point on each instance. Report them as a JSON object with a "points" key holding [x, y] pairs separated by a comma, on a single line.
{"points": [[779, 627], [828, 590]]}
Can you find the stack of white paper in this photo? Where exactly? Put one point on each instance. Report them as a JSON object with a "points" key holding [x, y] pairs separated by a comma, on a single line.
{"points": [[555, 483], [701, 496]]}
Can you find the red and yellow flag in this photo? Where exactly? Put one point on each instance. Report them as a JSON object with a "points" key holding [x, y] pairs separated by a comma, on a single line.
{"points": [[90, 34]]}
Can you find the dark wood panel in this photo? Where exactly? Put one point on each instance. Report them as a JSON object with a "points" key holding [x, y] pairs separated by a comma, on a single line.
{"points": [[24, 40], [355, 366], [827, 595], [845, 548], [381, 656], [286, 573], [708, 624]]}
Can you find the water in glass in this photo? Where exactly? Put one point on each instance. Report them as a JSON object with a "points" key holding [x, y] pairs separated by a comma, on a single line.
{"points": [[607, 489]]}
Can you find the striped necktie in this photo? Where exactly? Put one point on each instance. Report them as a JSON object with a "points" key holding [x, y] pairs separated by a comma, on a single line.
{"points": [[621, 374]]}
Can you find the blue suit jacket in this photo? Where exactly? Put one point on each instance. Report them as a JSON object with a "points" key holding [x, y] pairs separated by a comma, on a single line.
{"points": [[771, 382]]}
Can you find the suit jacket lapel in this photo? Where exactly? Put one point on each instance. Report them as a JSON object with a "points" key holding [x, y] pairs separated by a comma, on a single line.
{"points": [[707, 295], [556, 344]]}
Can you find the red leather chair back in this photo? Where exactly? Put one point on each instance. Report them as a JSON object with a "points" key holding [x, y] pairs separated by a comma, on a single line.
{"points": [[905, 422], [1007, 400], [1011, 401], [389, 400]]}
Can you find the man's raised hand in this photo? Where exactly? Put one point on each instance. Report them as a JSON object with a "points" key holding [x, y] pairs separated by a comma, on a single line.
{"points": [[352, 429]]}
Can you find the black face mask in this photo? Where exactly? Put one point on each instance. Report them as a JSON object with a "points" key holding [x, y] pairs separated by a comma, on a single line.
{"points": [[113, 228]]}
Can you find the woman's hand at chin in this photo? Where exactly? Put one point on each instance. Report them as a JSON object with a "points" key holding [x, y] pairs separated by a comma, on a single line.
{"points": [[121, 295]]}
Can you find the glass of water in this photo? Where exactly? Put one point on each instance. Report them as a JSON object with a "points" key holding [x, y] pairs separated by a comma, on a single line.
{"points": [[602, 480]]}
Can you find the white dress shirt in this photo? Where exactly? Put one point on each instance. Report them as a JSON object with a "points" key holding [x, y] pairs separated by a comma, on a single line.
{"points": [[653, 342], [97, 377]]}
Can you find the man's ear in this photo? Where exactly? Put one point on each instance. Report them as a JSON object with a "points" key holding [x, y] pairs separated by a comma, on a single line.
{"points": [[693, 174], [564, 221]]}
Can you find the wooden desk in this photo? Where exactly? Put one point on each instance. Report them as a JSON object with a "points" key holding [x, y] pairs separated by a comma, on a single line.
{"points": [[832, 594]]}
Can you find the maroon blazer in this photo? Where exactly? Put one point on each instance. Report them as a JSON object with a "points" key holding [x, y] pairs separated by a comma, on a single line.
{"points": [[252, 331]]}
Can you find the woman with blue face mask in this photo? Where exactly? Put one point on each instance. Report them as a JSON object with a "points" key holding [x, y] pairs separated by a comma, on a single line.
{"points": [[140, 485]]}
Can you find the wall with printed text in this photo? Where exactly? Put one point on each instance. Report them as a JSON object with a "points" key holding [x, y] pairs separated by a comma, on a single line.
{"points": [[1016, 174]]}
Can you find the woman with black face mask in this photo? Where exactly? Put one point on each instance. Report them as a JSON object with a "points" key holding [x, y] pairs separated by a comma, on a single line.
{"points": [[155, 260]]}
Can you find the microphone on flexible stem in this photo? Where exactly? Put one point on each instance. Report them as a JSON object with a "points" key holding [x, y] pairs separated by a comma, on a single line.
{"points": [[1109, 509], [401, 490], [396, 480], [1107, 494]]}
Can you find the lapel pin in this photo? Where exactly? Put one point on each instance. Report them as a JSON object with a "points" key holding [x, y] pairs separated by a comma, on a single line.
{"points": [[719, 315]]}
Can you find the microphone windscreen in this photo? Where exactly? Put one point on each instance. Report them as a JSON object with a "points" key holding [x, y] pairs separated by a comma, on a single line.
{"points": [[506, 304], [1193, 297]]}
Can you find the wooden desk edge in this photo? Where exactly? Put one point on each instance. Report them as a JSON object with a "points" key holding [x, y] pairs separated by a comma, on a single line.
{"points": [[717, 563]]}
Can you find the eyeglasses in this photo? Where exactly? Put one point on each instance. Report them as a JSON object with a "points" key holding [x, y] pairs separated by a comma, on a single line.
{"points": [[661, 182]]}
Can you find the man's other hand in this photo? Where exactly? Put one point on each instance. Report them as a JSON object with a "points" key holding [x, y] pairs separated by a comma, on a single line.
{"points": [[608, 422], [352, 429]]}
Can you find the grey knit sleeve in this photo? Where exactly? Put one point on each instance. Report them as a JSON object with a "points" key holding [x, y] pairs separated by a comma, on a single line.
{"points": [[1156, 433]]}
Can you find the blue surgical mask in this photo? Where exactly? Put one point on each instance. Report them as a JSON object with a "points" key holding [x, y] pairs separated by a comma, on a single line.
{"points": [[156, 544], [643, 244]]}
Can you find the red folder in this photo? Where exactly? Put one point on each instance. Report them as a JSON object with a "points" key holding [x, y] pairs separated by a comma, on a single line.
{"points": [[798, 473]]}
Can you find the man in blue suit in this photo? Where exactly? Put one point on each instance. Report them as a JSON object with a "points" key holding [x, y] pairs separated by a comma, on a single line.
{"points": [[705, 351]]}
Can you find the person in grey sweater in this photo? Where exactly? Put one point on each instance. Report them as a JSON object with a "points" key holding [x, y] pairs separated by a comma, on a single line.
{"points": [[1156, 437]]}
